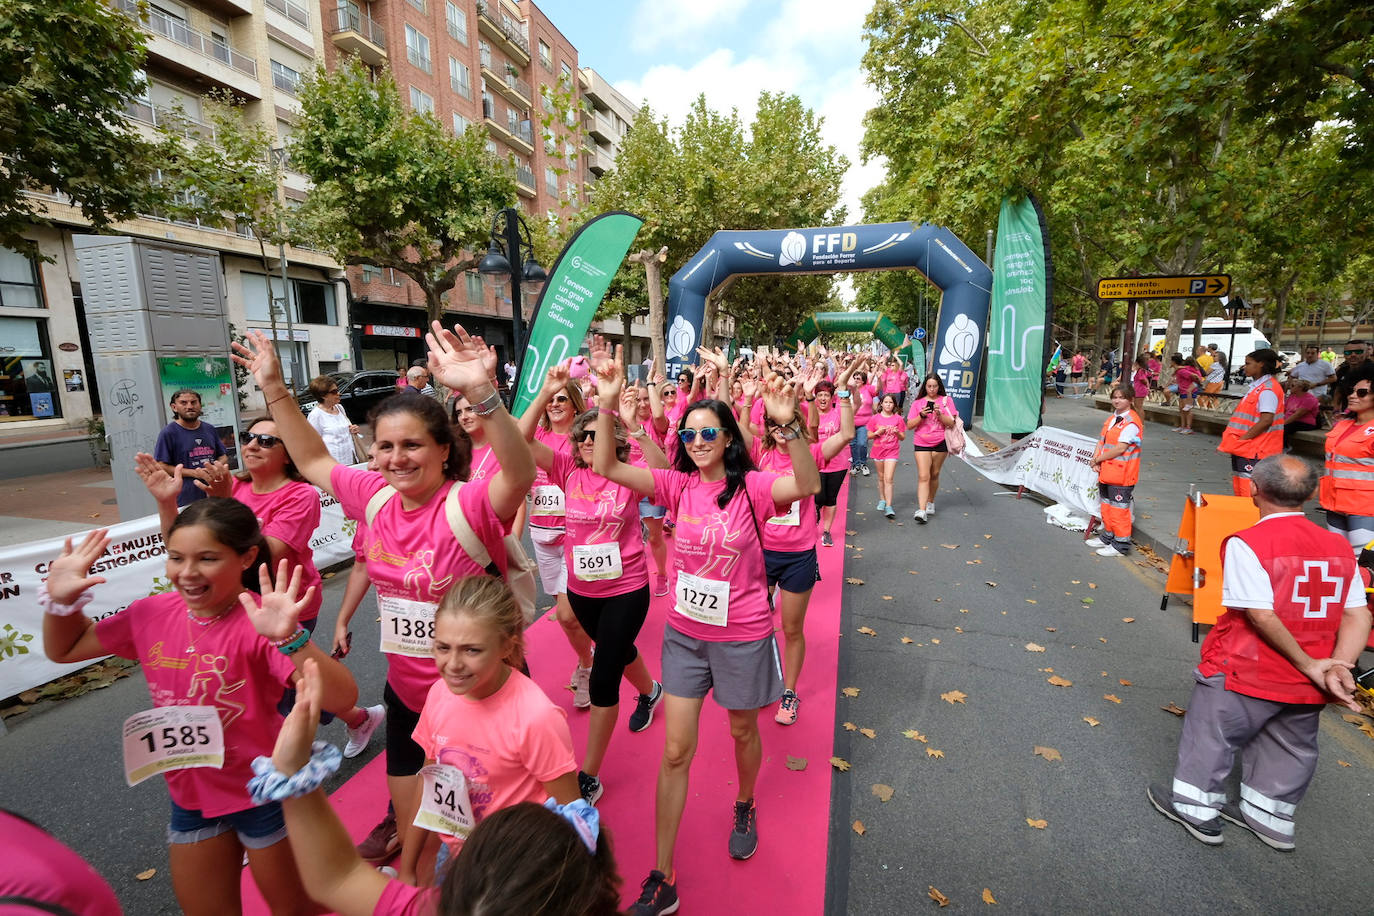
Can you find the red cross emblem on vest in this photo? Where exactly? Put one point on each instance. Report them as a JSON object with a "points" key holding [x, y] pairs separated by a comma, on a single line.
{"points": [[1316, 588]]}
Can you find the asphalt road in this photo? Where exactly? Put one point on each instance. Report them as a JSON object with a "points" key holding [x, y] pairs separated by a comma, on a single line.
{"points": [[958, 823]]}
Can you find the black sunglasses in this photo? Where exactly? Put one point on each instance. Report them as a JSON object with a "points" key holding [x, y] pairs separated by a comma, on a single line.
{"points": [[588, 435], [264, 441], [1360, 393]]}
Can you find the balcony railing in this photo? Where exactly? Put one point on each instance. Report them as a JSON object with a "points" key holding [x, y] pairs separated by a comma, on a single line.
{"points": [[525, 176], [462, 88], [521, 130], [418, 58], [287, 83], [504, 25], [177, 122], [291, 10], [518, 85], [182, 34], [351, 19]]}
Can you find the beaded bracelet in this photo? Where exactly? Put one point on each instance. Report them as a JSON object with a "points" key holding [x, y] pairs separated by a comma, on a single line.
{"points": [[270, 785], [293, 643], [50, 606]]}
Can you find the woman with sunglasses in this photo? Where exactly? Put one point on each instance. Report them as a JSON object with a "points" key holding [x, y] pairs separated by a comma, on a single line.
{"points": [[894, 380], [719, 633], [412, 554], [1347, 487], [864, 396], [608, 582], [330, 421], [825, 421], [549, 419]]}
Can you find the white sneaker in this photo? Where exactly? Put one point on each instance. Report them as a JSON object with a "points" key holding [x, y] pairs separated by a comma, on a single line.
{"points": [[360, 736], [863, 469], [930, 508], [581, 685], [920, 516], [1109, 551], [1094, 542]]}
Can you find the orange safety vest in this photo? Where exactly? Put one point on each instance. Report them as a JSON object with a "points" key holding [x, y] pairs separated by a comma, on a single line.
{"points": [[1247, 415], [1348, 485], [1125, 470]]}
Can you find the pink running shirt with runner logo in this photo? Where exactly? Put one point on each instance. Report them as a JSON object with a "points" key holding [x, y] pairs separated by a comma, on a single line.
{"points": [[290, 514], [600, 512]]}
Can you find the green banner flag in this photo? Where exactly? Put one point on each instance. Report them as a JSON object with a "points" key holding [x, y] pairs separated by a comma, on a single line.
{"points": [[576, 285], [1020, 311]]}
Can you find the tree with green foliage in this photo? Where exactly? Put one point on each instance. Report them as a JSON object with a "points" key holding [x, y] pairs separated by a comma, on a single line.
{"points": [[392, 187], [68, 70]]}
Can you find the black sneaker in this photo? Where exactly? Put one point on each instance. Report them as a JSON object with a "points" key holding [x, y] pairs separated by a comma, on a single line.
{"points": [[657, 896], [744, 838], [1163, 800], [644, 708], [826, 540], [590, 787], [382, 843], [1231, 812]]}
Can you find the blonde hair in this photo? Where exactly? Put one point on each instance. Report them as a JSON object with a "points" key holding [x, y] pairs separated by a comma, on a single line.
{"points": [[490, 600]]}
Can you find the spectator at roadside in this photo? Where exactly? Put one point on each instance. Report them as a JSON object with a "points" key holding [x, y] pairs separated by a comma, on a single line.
{"points": [[417, 380], [1356, 352], [1313, 370], [189, 442], [1202, 358], [1301, 411], [1212, 384]]}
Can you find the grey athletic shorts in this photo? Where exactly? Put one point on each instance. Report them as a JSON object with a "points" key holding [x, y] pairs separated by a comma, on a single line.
{"points": [[741, 675]]}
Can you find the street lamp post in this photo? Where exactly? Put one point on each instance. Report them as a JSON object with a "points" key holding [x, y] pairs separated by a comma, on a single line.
{"points": [[503, 250], [279, 157]]}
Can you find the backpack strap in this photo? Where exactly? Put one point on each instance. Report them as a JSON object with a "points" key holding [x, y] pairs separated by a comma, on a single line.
{"points": [[467, 538], [379, 499]]}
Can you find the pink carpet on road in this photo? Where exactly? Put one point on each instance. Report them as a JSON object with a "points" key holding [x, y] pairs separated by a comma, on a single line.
{"points": [[788, 872]]}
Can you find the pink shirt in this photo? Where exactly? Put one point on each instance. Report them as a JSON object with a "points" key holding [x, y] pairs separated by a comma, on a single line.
{"points": [[413, 555], [885, 447], [1140, 383], [827, 425], [484, 464], [1301, 408], [720, 545], [559, 444], [863, 407], [795, 529], [40, 867], [1188, 379], [507, 745], [894, 381], [600, 512], [403, 900], [930, 431], [226, 665], [290, 514]]}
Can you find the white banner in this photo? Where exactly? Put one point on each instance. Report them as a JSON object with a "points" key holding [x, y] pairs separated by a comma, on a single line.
{"points": [[134, 564], [1052, 462]]}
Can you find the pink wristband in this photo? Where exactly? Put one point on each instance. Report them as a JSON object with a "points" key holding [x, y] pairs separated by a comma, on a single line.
{"points": [[609, 411]]}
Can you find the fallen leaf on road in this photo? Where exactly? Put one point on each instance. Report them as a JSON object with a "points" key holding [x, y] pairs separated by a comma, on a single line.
{"points": [[1048, 670], [1075, 581], [932, 752], [859, 828], [1091, 721], [850, 533], [852, 581], [840, 764], [850, 691], [1128, 620], [958, 629], [145, 875], [1086, 600], [883, 792], [1343, 763], [796, 763], [991, 584], [1038, 823], [954, 696], [1092, 585], [1048, 753], [913, 572], [914, 735], [938, 897], [1031, 601], [1051, 629], [868, 733], [987, 537], [868, 631], [987, 896], [887, 597], [1112, 697], [850, 727], [1102, 639], [1104, 674], [1123, 682], [1034, 647], [963, 610], [1174, 708], [907, 640], [950, 546], [935, 642], [1060, 682]]}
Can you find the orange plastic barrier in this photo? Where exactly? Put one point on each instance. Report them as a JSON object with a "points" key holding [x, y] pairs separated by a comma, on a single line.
{"points": [[1208, 519]]}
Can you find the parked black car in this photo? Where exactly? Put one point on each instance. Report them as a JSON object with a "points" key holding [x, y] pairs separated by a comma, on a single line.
{"points": [[359, 392]]}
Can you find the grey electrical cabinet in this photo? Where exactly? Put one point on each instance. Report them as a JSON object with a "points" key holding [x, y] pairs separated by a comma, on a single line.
{"points": [[157, 320]]}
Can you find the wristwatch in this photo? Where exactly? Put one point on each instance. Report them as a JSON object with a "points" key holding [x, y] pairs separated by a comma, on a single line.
{"points": [[639, 433], [487, 406], [790, 431], [843, 395]]}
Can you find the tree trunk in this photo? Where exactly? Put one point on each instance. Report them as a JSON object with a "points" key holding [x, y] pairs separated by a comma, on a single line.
{"points": [[1199, 315], [653, 281], [626, 320], [1104, 320]]}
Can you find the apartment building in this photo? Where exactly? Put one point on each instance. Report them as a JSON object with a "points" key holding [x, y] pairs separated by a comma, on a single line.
{"points": [[256, 51]]}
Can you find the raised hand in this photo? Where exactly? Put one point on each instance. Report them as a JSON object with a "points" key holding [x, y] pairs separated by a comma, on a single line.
{"points": [[488, 357], [780, 399], [67, 575], [163, 486], [258, 356], [215, 480], [714, 357], [555, 380], [457, 360], [610, 380], [600, 353], [275, 612], [292, 750], [629, 407]]}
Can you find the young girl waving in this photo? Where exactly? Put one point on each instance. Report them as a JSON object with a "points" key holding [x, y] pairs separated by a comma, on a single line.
{"points": [[886, 431]]}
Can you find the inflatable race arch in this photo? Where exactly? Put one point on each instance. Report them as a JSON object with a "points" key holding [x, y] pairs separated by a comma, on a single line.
{"points": [[965, 284]]}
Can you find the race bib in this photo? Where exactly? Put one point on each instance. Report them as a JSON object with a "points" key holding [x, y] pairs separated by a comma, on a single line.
{"points": [[792, 518], [171, 738], [444, 803], [596, 561], [703, 600], [407, 626], [548, 500]]}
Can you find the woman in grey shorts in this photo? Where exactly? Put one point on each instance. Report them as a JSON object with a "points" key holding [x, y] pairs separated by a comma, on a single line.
{"points": [[719, 635]]}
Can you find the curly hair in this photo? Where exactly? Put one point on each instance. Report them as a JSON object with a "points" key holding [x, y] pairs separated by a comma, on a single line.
{"points": [[436, 421]]}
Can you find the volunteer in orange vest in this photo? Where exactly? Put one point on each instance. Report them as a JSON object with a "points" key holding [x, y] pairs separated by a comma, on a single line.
{"points": [[1117, 462], [1256, 427], [1347, 488]]}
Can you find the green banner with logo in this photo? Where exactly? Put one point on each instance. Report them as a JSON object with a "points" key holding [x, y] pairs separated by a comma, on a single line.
{"points": [[1020, 312], [576, 286]]}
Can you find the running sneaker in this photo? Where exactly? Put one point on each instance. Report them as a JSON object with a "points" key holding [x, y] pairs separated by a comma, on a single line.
{"points": [[930, 508], [889, 512], [644, 708], [853, 469], [882, 504], [657, 896], [787, 709], [744, 837], [660, 585], [1109, 551], [826, 540], [382, 843], [590, 787], [581, 685], [920, 516], [1189, 432], [1230, 811], [1094, 543], [358, 737], [864, 469]]}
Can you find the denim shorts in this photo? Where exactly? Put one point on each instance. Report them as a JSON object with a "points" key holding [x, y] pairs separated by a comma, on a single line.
{"points": [[257, 828], [649, 510]]}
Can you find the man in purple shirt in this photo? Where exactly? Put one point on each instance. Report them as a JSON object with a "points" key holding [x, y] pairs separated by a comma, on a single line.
{"points": [[190, 443]]}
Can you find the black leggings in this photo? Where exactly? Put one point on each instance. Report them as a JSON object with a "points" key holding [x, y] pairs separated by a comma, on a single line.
{"points": [[613, 623], [404, 757]]}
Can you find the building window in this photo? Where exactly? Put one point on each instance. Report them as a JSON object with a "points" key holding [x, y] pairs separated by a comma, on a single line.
{"points": [[372, 273], [421, 101], [545, 56], [551, 180], [417, 48], [484, 54], [29, 384], [315, 302], [476, 294], [311, 302], [285, 79], [18, 282], [460, 124], [491, 146], [566, 73], [460, 78], [457, 22], [546, 99], [418, 4]]}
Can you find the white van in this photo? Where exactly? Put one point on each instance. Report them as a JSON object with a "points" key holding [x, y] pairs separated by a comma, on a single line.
{"points": [[1214, 331]]}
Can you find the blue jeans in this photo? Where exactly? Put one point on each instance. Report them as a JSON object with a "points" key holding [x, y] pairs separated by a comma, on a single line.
{"points": [[858, 447]]}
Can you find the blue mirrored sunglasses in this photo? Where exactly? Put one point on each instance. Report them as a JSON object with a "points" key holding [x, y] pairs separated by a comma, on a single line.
{"points": [[708, 434]]}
